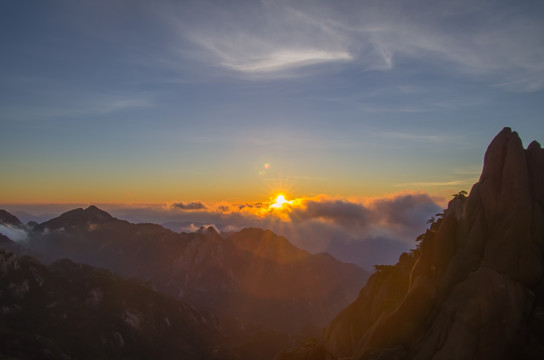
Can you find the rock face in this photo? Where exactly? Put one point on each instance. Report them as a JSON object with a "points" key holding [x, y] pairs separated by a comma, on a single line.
{"points": [[473, 288]]}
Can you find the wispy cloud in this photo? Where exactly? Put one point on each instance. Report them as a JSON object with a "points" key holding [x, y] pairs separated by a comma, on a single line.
{"points": [[413, 137], [254, 56], [285, 59], [13, 233], [79, 104], [496, 44], [432, 183], [263, 39], [119, 104]]}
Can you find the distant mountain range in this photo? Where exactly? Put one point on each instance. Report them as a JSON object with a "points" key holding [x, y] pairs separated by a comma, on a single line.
{"points": [[472, 289], [254, 275], [251, 280]]}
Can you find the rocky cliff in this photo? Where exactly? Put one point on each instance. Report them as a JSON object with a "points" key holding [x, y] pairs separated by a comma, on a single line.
{"points": [[474, 286]]}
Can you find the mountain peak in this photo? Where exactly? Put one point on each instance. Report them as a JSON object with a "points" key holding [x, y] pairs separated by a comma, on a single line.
{"points": [[211, 230], [8, 219], [534, 146], [508, 193], [474, 286], [95, 213], [511, 173], [78, 218], [268, 245], [504, 152]]}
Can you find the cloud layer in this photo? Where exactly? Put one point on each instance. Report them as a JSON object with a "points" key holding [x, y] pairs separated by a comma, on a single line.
{"points": [[195, 205], [362, 231], [14, 234], [366, 232]]}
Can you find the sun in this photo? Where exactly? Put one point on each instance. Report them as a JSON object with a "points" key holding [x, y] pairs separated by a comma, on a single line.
{"points": [[280, 201]]}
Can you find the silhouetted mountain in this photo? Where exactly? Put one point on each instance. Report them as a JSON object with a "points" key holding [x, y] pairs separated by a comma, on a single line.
{"points": [[474, 287], [77, 219], [8, 219], [70, 310], [253, 274], [284, 286], [267, 245]]}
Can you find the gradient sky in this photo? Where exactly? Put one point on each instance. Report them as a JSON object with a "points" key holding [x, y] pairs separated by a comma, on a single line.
{"points": [[163, 101]]}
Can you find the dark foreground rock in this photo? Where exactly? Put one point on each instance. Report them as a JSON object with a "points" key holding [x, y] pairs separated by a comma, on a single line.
{"points": [[74, 311], [473, 288]]}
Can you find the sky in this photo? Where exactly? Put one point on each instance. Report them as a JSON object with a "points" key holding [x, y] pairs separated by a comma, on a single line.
{"points": [[226, 103]]}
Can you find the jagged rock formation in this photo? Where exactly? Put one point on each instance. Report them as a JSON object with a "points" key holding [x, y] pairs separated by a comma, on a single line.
{"points": [[254, 275], [474, 287]]}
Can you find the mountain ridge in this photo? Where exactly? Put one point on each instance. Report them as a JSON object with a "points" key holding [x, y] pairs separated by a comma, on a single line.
{"points": [[76, 218], [8, 219], [253, 274]]}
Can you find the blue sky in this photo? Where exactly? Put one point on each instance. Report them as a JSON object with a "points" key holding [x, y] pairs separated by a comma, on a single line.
{"points": [[139, 101]]}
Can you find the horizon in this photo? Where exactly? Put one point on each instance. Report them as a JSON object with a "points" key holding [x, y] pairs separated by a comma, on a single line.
{"points": [[364, 232], [195, 101], [369, 117]]}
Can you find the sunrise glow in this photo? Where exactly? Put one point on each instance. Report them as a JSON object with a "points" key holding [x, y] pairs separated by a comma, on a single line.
{"points": [[280, 202], [264, 165]]}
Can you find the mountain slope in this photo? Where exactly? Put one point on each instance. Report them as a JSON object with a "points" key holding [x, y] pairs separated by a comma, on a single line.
{"points": [[9, 245], [253, 274], [77, 218], [8, 219], [70, 310], [474, 287]]}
